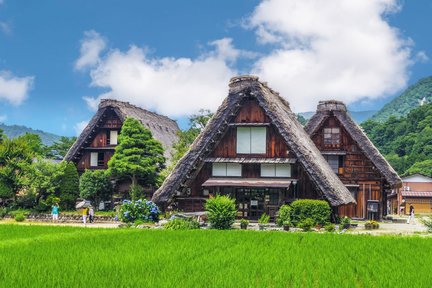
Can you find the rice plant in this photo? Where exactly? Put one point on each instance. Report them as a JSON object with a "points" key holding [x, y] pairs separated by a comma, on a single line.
{"points": [[53, 256]]}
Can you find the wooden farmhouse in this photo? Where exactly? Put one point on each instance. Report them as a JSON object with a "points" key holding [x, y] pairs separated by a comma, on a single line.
{"points": [[255, 150], [354, 159], [416, 191], [96, 144]]}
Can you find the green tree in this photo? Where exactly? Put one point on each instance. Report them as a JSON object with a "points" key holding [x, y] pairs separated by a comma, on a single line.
{"points": [[44, 178], [138, 156], [423, 167], [2, 136], [197, 122], [301, 119], [6, 191], [15, 160], [60, 147], [95, 186], [69, 186], [34, 143], [404, 141]]}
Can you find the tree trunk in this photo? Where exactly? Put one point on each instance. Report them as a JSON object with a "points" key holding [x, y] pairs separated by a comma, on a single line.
{"points": [[133, 188]]}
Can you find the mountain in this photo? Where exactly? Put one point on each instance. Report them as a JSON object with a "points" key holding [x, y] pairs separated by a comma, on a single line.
{"points": [[358, 116], [12, 131], [405, 142], [413, 97]]}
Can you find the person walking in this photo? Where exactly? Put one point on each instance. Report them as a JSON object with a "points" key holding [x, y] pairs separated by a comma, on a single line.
{"points": [[411, 215], [91, 214], [55, 212], [84, 215]]}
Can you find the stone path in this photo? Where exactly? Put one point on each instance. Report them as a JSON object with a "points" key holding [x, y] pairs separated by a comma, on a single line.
{"points": [[385, 228], [89, 225]]}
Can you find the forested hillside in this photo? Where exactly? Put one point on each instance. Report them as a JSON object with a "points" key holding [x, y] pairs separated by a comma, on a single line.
{"points": [[13, 131], [413, 97], [406, 142]]}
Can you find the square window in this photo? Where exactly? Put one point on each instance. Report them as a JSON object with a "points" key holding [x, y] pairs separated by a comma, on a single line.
{"points": [[331, 136], [275, 170], [227, 169], [251, 140]]}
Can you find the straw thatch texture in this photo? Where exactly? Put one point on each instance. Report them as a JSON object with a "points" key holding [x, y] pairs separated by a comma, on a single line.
{"points": [[281, 116], [163, 128], [328, 108]]}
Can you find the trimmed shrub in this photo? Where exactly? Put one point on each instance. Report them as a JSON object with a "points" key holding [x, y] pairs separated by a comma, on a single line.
{"points": [[426, 221], [344, 223], [69, 186], [244, 223], [221, 212], [182, 224], [20, 217], [317, 210], [131, 211], [284, 215], [330, 227], [264, 219], [306, 224], [3, 212]]}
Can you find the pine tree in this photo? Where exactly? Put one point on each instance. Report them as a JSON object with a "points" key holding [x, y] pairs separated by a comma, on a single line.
{"points": [[69, 186], [138, 155]]}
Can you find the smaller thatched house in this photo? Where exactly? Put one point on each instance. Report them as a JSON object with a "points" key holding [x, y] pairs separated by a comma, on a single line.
{"points": [[354, 159], [96, 144], [255, 150]]}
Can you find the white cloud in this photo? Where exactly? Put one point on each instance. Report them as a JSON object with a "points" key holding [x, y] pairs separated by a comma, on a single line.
{"points": [[92, 102], [14, 89], [91, 47], [5, 28], [79, 127], [333, 49], [422, 57], [3, 118], [170, 86]]}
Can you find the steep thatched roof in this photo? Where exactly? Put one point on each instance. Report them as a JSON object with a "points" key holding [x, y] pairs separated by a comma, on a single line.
{"points": [[281, 116], [163, 128], [326, 109]]}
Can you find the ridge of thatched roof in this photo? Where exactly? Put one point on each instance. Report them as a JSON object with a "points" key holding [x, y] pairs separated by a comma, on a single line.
{"points": [[277, 109], [328, 108], [162, 128]]}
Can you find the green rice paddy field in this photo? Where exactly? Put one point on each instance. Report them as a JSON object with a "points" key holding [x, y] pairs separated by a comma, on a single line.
{"points": [[50, 256]]}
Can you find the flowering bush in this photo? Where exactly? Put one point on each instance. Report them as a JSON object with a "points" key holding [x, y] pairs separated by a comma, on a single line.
{"points": [[146, 211]]}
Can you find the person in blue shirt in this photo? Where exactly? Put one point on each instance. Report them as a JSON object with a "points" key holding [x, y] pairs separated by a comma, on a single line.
{"points": [[55, 212]]}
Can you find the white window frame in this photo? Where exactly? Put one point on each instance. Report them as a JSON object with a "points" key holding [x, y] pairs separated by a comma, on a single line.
{"points": [[93, 159], [113, 137], [226, 170], [251, 140], [276, 170]]}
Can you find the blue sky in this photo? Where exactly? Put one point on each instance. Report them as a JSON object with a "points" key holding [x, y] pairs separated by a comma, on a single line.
{"points": [[58, 58]]}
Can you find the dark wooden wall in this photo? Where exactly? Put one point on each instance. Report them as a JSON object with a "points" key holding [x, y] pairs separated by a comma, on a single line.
{"points": [[357, 169], [84, 162], [109, 121], [251, 112]]}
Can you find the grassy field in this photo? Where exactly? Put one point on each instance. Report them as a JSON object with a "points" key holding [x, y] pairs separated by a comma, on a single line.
{"points": [[44, 256]]}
